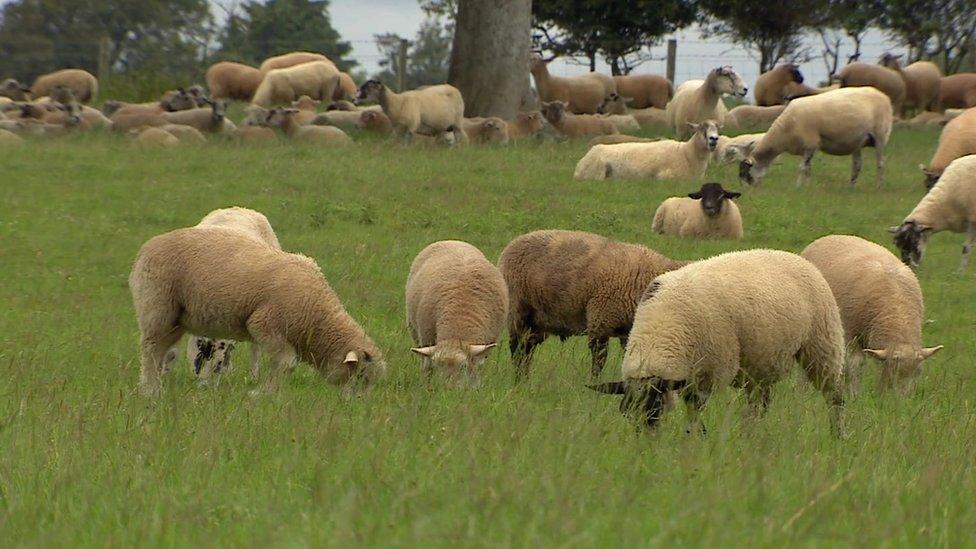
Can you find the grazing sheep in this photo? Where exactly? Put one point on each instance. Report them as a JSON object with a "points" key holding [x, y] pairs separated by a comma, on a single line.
{"points": [[376, 122], [958, 91], [949, 206], [430, 111], [772, 86], [14, 90], [156, 137], [736, 149], [82, 83], [922, 82], [233, 81], [457, 306], [644, 90], [707, 213], [214, 283], [581, 94], [284, 119], [752, 117], [186, 134], [292, 59], [739, 318], [486, 130], [617, 138], [525, 125], [699, 100], [958, 139], [575, 125], [839, 122], [317, 80], [881, 78], [567, 283], [880, 305], [665, 159], [210, 119]]}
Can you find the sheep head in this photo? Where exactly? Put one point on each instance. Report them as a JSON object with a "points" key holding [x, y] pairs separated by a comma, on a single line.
{"points": [[369, 92], [901, 364], [455, 361], [14, 90], [709, 132], [890, 61], [728, 81], [712, 196], [178, 100], [554, 111], [614, 104], [355, 368], [643, 399], [197, 93], [532, 121], [795, 72], [277, 117], [62, 94], [910, 239]]}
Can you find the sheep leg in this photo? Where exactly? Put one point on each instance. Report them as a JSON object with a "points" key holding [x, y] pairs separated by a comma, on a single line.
{"points": [[694, 403], [598, 350], [880, 163], [816, 361], [283, 360], [154, 348], [968, 245], [801, 179], [852, 371], [255, 362], [522, 345], [758, 395], [855, 166]]}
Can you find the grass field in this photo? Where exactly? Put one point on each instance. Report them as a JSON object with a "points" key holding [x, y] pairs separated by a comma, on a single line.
{"points": [[86, 461]]}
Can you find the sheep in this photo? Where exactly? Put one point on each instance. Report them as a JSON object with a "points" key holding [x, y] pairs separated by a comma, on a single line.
{"points": [[233, 81], [839, 122], [623, 122], [486, 130], [608, 82], [707, 213], [736, 149], [880, 304], [284, 119], [343, 105], [881, 78], [179, 100], [949, 206], [82, 83], [156, 137], [772, 86], [925, 119], [254, 134], [752, 117], [128, 122], [339, 119], [526, 124], [292, 59], [179, 284], [665, 159], [575, 125], [581, 94], [651, 118], [427, 111], [317, 80], [958, 91], [644, 90], [346, 89], [617, 138], [14, 90], [922, 82], [958, 139], [376, 122], [699, 100], [738, 318], [210, 119], [616, 106], [186, 134], [457, 306], [567, 283]]}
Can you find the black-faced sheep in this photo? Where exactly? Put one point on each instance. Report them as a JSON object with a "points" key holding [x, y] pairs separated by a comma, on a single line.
{"points": [[706, 213]]}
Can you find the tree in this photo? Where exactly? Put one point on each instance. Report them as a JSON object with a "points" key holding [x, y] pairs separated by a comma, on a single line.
{"points": [[941, 29], [427, 57], [618, 31], [264, 29], [850, 18], [490, 54], [771, 28]]}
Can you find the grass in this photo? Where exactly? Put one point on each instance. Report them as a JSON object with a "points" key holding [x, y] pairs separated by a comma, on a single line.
{"points": [[85, 461]]}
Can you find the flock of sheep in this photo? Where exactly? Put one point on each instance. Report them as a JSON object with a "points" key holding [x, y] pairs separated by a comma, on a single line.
{"points": [[688, 327]]}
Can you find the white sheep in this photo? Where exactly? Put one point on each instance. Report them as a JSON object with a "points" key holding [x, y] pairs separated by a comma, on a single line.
{"points": [[486, 130], [155, 137], [82, 83], [211, 119], [234, 81], [707, 213], [665, 159], [958, 138], [738, 318], [214, 283], [430, 111], [737, 148], [457, 306], [285, 119], [880, 305], [292, 59], [949, 206], [317, 80], [839, 122], [699, 100], [753, 117], [575, 125], [186, 134]]}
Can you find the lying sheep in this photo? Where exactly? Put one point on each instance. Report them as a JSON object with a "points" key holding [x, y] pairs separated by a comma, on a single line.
{"points": [[486, 130], [575, 125], [738, 318], [526, 125], [127, 122], [839, 122], [156, 137], [958, 139], [752, 117], [179, 100], [949, 206], [958, 91], [922, 82], [14, 90], [623, 122], [347, 88], [340, 119], [427, 111], [180, 284], [567, 283], [186, 134], [233, 81], [254, 134], [292, 59], [617, 138], [880, 305], [736, 149], [699, 100], [881, 78], [581, 94], [925, 119], [665, 159], [644, 90], [82, 83], [284, 119], [210, 119], [317, 80], [707, 213], [376, 122], [457, 306], [772, 86]]}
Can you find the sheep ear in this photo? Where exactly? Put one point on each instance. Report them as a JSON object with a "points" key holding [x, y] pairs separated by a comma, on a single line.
{"points": [[695, 195], [880, 354], [351, 358], [478, 351], [610, 387], [894, 230], [929, 351], [732, 195], [692, 125], [424, 351]]}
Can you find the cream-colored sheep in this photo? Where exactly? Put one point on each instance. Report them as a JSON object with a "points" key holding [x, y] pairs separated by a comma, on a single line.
{"points": [[233, 81], [772, 86], [880, 305], [486, 130], [178, 100], [614, 139], [457, 306], [254, 134], [707, 213], [581, 94], [156, 137], [958, 91], [607, 81], [925, 119], [949, 206], [127, 122], [575, 125], [752, 117], [317, 80], [292, 59], [644, 90], [699, 100], [665, 159], [737, 148], [651, 118], [567, 283], [741, 318], [214, 283], [526, 125], [376, 122], [82, 83], [186, 134], [210, 119], [347, 88], [958, 139], [881, 78], [341, 119], [839, 122], [922, 82], [623, 122], [284, 119], [430, 111]]}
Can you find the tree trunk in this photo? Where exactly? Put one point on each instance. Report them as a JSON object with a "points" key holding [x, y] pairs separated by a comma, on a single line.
{"points": [[615, 66], [490, 55]]}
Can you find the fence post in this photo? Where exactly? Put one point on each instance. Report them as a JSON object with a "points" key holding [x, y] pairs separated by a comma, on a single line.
{"points": [[402, 66], [672, 54], [104, 46]]}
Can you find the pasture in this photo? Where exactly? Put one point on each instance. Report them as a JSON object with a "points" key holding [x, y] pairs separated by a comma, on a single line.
{"points": [[86, 461]]}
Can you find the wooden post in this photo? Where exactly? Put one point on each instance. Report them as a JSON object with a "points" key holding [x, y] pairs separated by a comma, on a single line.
{"points": [[402, 66], [672, 54], [104, 49]]}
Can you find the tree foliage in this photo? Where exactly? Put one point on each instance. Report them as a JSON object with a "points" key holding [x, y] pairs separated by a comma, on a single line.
{"points": [[850, 18], [428, 55], [940, 29]]}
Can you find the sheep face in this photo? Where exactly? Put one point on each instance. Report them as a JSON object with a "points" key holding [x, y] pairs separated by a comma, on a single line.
{"points": [[179, 101], [712, 196], [795, 72], [613, 104], [369, 92], [901, 365], [729, 82], [536, 63], [198, 95], [531, 120], [752, 171], [554, 111], [14, 90], [643, 399], [354, 368], [279, 116], [910, 239], [708, 130], [62, 94], [255, 116], [456, 362], [495, 131]]}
